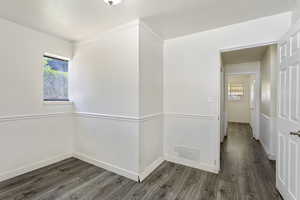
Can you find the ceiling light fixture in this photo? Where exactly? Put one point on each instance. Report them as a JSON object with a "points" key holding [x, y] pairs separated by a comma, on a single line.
{"points": [[113, 2]]}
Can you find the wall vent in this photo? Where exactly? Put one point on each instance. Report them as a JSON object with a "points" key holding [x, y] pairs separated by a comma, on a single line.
{"points": [[188, 153]]}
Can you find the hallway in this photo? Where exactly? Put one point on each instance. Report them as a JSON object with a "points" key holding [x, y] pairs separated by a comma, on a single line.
{"points": [[246, 174], [246, 170]]}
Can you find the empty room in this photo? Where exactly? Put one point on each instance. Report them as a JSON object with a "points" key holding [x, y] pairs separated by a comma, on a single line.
{"points": [[148, 100]]}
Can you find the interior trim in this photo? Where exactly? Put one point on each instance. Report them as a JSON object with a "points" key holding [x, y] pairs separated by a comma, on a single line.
{"points": [[117, 117], [101, 115], [265, 116], [194, 116], [34, 166], [142, 118], [143, 175], [32, 116], [107, 166]]}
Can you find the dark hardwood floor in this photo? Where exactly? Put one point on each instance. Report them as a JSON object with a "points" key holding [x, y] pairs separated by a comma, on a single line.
{"points": [[246, 174]]}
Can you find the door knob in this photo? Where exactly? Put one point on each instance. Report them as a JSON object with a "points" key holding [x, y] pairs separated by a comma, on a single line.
{"points": [[295, 133]]}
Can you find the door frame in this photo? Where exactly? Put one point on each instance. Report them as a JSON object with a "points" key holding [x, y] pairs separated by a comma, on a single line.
{"points": [[220, 66]]}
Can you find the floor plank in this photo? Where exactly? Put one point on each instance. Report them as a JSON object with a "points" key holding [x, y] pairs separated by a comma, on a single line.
{"points": [[246, 174]]}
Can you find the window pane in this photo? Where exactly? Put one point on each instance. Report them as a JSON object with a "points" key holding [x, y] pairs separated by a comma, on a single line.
{"points": [[235, 91], [55, 79]]}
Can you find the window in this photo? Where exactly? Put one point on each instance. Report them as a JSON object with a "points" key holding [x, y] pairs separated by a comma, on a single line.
{"points": [[235, 91], [55, 79]]}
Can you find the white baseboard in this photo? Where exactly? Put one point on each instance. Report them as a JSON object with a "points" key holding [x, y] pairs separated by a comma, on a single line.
{"points": [[17, 172], [270, 156], [283, 191], [123, 172], [266, 129], [193, 164], [264, 147], [151, 168]]}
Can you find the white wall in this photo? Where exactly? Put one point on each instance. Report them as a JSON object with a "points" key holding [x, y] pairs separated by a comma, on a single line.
{"points": [[254, 103], [265, 95], [105, 89], [243, 68], [151, 98], [191, 82], [117, 88], [105, 71], [239, 110], [150, 72], [265, 71], [274, 101], [32, 134], [296, 12], [269, 67]]}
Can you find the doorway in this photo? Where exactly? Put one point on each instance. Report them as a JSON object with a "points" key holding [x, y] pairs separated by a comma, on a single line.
{"points": [[253, 100], [248, 103], [242, 100]]}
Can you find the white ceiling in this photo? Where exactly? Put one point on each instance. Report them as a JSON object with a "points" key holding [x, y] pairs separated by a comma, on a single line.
{"points": [[79, 19], [244, 55]]}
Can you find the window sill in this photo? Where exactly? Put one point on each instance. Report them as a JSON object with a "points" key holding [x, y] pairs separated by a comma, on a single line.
{"points": [[58, 102]]}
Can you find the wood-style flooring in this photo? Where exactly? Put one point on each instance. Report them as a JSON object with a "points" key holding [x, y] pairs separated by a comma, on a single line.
{"points": [[246, 174]]}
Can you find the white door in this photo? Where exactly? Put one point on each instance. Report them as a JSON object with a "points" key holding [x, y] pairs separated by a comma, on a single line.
{"points": [[253, 106], [288, 126]]}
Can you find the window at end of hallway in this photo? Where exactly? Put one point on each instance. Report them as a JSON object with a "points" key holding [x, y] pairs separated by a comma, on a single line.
{"points": [[235, 91]]}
